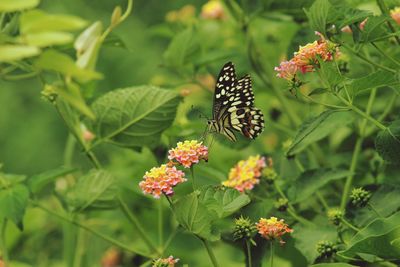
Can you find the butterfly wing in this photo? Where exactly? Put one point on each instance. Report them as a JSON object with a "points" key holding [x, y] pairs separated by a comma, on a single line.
{"points": [[224, 89]]}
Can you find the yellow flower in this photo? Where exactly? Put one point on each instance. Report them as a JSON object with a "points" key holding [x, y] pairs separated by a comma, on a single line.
{"points": [[166, 262], [246, 173]]}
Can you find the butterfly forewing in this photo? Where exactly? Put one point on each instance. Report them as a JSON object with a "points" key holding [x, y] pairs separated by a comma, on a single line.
{"points": [[233, 107]]}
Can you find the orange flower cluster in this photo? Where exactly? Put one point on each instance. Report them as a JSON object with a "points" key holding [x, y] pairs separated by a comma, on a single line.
{"points": [[395, 14], [166, 262], [188, 153], [273, 228], [246, 173], [307, 57], [161, 180]]}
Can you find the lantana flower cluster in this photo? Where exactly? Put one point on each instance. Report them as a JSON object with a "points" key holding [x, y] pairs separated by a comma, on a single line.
{"points": [[165, 262], [273, 229], [306, 58], [395, 14], [213, 9], [162, 180], [246, 173], [188, 153]]}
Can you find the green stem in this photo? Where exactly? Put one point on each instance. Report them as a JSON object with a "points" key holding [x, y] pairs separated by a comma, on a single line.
{"points": [[361, 56], [363, 114], [385, 10], [321, 103], [160, 223], [348, 224], [132, 218], [209, 252], [349, 179], [98, 234], [3, 245], [248, 253], [272, 254], [69, 150], [322, 200], [79, 248], [192, 174], [357, 150]]}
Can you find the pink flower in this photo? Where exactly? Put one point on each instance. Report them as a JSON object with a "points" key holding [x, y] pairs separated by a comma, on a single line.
{"points": [[306, 58], [161, 180], [166, 262], [188, 153], [395, 14], [245, 174], [362, 24], [273, 228], [286, 70]]}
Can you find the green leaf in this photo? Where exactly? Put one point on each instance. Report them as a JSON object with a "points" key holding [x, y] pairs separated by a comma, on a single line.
{"points": [[223, 201], [95, 190], [195, 217], [13, 201], [135, 116], [43, 39], [376, 239], [7, 180], [330, 73], [318, 15], [39, 21], [337, 264], [307, 238], [374, 29], [177, 50], [87, 46], [16, 52], [318, 91], [56, 61], [387, 143], [311, 180], [342, 15], [377, 79], [38, 181], [72, 94], [15, 5], [317, 128]]}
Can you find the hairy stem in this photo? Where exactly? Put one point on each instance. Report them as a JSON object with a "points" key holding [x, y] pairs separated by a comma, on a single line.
{"points": [[3, 245], [248, 248], [272, 254], [210, 253]]}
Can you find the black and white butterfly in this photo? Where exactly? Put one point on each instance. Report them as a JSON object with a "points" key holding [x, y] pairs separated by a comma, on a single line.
{"points": [[233, 106]]}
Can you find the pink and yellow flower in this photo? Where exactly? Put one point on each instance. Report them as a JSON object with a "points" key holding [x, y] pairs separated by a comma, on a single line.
{"points": [[188, 153], [165, 262], [213, 9], [395, 14], [306, 58], [273, 228], [246, 173], [161, 180]]}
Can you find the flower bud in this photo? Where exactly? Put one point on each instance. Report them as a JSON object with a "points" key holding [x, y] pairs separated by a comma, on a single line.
{"points": [[395, 14], [166, 262], [359, 197], [281, 204], [111, 258], [335, 215], [49, 93], [269, 175], [244, 229], [116, 16], [326, 249]]}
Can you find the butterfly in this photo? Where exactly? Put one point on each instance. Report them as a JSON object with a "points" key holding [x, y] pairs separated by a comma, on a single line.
{"points": [[233, 106]]}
